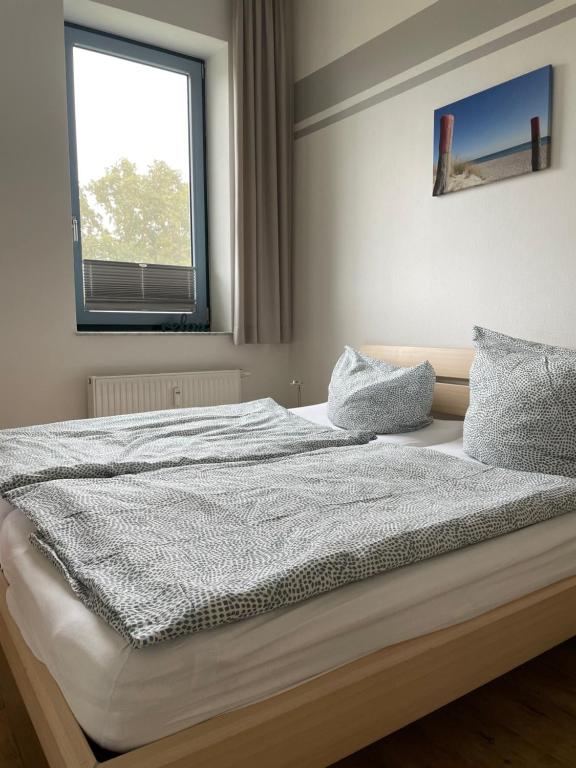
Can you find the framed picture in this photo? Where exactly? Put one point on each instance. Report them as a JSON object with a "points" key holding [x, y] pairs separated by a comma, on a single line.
{"points": [[492, 135]]}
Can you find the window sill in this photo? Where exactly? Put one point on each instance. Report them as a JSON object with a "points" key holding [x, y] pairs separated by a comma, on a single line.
{"points": [[153, 333]]}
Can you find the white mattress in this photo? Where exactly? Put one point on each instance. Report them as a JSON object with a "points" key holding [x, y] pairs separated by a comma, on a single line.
{"points": [[124, 698]]}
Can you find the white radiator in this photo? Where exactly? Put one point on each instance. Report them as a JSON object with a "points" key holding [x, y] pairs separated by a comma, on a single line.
{"points": [[111, 395]]}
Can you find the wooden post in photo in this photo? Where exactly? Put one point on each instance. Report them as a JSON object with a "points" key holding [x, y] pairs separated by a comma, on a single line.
{"points": [[444, 154], [535, 129]]}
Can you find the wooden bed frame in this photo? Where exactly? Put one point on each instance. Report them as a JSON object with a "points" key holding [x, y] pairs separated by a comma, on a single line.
{"points": [[333, 715]]}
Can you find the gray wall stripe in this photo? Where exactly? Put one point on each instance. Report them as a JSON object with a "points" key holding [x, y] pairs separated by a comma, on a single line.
{"points": [[441, 26], [495, 45]]}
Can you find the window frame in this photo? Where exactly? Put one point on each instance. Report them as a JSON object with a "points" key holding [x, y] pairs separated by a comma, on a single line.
{"points": [[103, 42]]}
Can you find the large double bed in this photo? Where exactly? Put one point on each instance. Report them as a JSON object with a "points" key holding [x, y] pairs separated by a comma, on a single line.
{"points": [[306, 683]]}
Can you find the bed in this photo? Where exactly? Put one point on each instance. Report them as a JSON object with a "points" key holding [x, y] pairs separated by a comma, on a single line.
{"points": [[300, 686]]}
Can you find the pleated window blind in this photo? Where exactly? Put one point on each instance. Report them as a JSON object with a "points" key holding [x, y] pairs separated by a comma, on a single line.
{"points": [[125, 286]]}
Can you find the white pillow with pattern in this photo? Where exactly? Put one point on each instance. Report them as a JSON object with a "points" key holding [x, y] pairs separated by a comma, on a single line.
{"points": [[522, 412], [371, 395]]}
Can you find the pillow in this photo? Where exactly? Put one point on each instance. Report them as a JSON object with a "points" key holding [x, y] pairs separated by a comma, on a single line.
{"points": [[370, 395], [522, 411]]}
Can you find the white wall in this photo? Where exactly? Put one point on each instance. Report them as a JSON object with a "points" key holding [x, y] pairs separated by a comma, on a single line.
{"points": [[44, 363], [209, 17], [379, 260]]}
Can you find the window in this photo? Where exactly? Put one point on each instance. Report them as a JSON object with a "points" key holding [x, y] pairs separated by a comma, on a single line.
{"points": [[136, 125]]}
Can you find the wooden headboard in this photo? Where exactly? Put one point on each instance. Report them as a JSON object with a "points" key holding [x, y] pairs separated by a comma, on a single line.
{"points": [[452, 366]]}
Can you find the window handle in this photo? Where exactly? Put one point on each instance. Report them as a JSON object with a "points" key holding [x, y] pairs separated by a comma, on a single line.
{"points": [[75, 229]]}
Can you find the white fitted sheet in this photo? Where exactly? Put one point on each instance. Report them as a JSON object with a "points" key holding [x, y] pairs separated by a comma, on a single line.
{"points": [[124, 697]]}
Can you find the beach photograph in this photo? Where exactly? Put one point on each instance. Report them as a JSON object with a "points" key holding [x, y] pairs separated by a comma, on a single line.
{"points": [[501, 132]]}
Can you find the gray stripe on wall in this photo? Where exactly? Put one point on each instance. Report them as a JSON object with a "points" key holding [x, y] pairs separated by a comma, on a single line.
{"points": [[567, 14], [441, 26]]}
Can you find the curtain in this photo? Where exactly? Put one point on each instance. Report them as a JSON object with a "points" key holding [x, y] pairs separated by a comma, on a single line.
{"points": [[263, 139]]}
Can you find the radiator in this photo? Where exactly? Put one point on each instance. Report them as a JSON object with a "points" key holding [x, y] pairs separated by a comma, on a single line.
{"points": [[112, 395]]}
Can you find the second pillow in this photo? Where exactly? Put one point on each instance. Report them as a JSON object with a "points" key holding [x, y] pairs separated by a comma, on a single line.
{"points": [[368, 394]]}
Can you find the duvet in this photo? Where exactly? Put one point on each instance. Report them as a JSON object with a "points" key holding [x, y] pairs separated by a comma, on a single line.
{"points": [[175, 551], [141, 442]]}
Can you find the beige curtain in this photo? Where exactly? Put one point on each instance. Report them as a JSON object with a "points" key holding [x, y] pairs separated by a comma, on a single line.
{"points": [[263, 136]]}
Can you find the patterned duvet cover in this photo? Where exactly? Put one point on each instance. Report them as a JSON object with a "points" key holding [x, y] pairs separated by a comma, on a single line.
{"points": [[167, 553]]}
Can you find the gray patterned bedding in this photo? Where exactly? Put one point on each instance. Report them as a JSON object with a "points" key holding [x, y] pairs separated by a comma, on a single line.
{"points": [[168, 553], [141, 442]]}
